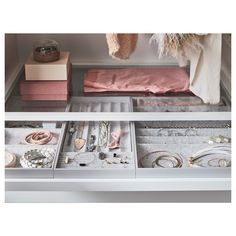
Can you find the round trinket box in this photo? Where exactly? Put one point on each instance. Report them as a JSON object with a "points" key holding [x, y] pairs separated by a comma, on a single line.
{"points": [[46, 51]]}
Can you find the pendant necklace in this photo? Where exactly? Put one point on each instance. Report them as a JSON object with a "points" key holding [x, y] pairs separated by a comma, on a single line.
{"points": [[80, 142]]}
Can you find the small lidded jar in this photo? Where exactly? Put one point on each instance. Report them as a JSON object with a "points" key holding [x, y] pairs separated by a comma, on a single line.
{"points": [[46, 51]]}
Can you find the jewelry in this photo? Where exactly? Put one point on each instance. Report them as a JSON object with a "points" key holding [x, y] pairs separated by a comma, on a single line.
{"points": [[112, 160], [39, 137], [84, 159], [91, 145], [46, 51], [154, 103], [103, 134], [154, 159], [116, 139], [124, 160], [71, 132], [80, 142], [174, 133], [116, 161], [219, 139], [38, 158], [191, 132], [102, 156], [221, 150], [10, 160], [175, 160], [67, 159], [219, 162]]}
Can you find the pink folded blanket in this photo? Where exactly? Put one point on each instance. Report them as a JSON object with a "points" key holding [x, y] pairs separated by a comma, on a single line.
{"points": [[154, 80]]}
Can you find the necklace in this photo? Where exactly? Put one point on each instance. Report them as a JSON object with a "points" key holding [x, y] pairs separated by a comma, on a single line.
{"points": [[71, 132], [84, 159], [216, 156], [80, 142], [103, 133]]}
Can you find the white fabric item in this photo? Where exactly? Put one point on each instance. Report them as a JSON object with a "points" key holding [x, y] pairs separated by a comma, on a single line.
{"points": [[205, 66]]}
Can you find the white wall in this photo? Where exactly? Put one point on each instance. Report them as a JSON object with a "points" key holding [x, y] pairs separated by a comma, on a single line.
{"points": [[92, 48], [11, 55]]}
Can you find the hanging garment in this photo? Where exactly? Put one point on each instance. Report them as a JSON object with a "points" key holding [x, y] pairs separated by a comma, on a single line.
{"points": [[121, 46], [147, 80], [178, 46], [203, 52], [205, 66]]}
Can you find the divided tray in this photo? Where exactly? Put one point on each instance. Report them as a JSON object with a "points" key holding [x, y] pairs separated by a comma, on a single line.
{"points": [[16, 144], [96, 167], [184, 138]]}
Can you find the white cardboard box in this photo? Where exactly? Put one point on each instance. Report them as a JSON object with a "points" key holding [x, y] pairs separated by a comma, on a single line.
{"points": [[57, 70]]}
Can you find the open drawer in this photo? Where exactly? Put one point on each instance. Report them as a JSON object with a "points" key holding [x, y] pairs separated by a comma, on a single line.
{"points": [[133, 115], [20, 147], [175, 149]]}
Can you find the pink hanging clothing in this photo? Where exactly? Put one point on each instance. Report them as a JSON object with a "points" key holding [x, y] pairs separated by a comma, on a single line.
{"points": [[149, 80]]}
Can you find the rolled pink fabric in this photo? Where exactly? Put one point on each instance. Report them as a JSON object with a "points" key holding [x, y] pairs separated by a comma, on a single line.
{"points": [[150, 80]]}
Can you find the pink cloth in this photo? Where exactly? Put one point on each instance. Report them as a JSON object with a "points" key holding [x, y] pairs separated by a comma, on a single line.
{"points": [[154, 80]]}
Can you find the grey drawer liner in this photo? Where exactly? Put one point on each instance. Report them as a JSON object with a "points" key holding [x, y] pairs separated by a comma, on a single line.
{"points": [[148, 140]]}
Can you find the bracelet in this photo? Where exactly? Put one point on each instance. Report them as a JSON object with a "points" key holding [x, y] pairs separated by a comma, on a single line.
{"points": [[176, 161], [10, 160], [39, 137], [153, 159], [38, 158]]}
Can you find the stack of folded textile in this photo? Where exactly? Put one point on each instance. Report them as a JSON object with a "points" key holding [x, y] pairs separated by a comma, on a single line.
{"points": [[142, 80], [47, 81]]}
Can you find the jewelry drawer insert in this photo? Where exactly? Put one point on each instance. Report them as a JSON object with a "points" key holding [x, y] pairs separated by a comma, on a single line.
{"points": [[100, 104], [183, 149], [182, 103], [97, 149], [31, 149]]}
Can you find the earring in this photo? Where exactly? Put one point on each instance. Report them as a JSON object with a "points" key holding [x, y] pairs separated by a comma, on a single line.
{"points": [[116, 139]]}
